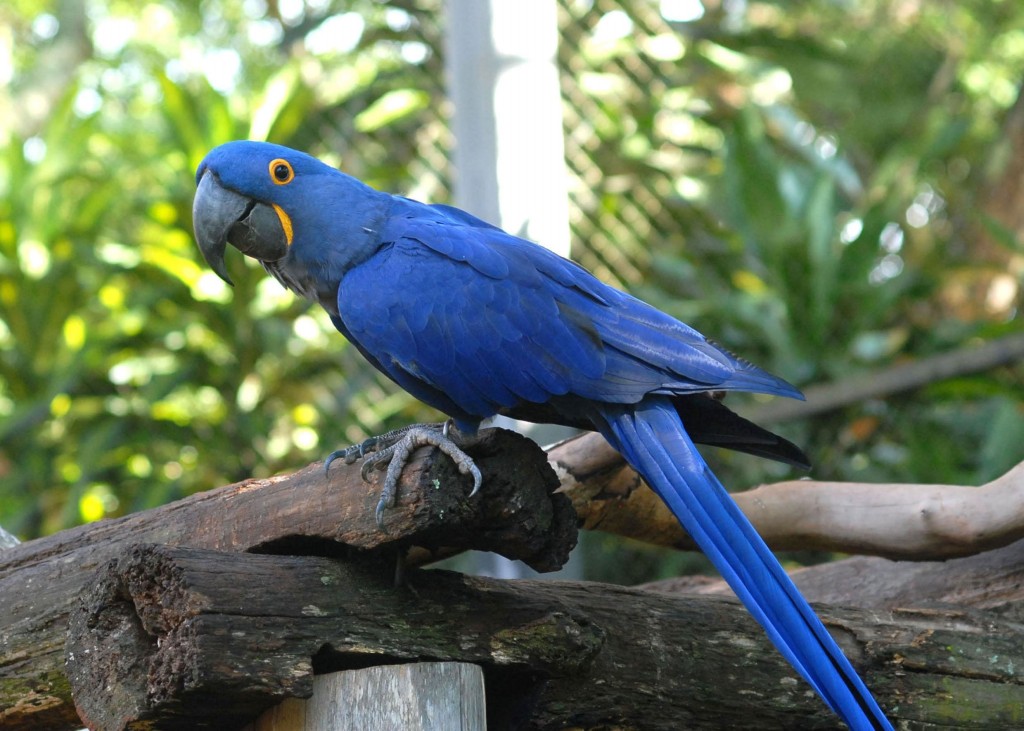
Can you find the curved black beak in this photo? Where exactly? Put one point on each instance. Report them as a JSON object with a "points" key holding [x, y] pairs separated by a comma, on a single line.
{"points": [[221, 216]]}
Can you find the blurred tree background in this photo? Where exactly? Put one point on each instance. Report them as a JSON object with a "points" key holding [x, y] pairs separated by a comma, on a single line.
{"points": [[828, 187]]}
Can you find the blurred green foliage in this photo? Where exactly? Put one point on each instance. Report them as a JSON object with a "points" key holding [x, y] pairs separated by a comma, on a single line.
{"points": [[129, 375], [820, 181], [803, 181]]}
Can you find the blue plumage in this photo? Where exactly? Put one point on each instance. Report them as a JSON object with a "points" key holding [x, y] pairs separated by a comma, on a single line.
{"points": [[477, 322], [653, 440]]}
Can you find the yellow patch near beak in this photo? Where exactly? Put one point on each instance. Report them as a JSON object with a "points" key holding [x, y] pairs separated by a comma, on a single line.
{"points": [[286, 222]]}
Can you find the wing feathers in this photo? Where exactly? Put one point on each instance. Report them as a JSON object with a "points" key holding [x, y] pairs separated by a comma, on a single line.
{"points": [[533, 327]]}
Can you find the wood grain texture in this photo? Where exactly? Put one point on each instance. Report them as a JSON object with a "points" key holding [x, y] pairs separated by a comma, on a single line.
{"points": [[184, 638], [425, 696]]}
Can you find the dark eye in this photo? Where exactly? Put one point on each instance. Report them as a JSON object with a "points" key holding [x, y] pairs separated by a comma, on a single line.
{"points": [[281, 171]]}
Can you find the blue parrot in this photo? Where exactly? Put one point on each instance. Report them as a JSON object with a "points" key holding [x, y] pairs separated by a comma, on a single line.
{"points": [[477, 322]]}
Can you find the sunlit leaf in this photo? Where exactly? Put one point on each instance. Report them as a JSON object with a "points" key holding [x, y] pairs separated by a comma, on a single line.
{"points": [[390, 108]]}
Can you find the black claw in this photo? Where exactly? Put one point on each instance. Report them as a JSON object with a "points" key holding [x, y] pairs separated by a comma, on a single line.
{"points": [[333, 456]]}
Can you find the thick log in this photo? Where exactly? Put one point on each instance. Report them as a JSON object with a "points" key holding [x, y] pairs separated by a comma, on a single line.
{"points": [[179, 638], [183, 638], [515, 514], [39, 579]]}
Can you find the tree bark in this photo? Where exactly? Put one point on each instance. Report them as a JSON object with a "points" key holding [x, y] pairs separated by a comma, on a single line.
{"points": [[993, 580], [515, 515], [178, 638]]}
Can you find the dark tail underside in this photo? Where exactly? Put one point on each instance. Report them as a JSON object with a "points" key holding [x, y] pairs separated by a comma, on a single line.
{"points": [[709, 421], [706, 419]]}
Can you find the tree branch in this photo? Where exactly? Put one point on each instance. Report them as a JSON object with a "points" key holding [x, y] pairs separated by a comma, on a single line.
{"points": [[895, 379], [907, 522]]}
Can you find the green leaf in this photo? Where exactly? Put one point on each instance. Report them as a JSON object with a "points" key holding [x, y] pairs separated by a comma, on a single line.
{"points": [[1003, 446], [390, 108]]}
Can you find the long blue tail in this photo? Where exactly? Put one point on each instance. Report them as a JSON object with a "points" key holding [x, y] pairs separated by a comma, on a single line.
{"points": [[651, 437]]}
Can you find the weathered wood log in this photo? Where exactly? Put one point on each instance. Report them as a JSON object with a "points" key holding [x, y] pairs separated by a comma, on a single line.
{"points": [[188, 638], [915, 522], [39, 579], [307, 512], [179, 638]]}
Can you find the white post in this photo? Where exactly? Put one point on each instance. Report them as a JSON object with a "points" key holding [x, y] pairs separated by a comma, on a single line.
{"points": [[423, 696], [509, 147]]}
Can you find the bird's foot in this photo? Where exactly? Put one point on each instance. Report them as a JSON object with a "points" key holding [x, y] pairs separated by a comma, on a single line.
{"points": [[393, 450]]}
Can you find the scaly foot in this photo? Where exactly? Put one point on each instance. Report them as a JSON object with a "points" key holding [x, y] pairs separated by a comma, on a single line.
{"points": [[393, 450]]}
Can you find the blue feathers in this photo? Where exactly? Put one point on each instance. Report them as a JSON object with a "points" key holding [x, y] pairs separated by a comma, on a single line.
{"points": [[492, 321], [652, 438], [477, 322], [485, 299]]}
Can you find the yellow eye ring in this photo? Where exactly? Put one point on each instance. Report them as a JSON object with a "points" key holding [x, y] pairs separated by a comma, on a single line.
{"points": [[281, 171]]}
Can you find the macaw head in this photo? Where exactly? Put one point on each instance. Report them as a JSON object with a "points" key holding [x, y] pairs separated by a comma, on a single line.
{"points": [[242, 190], [300, 218]]}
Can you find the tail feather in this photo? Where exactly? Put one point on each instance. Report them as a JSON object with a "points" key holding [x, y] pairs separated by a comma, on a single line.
{"points": [[651, 437], [709, 421]]}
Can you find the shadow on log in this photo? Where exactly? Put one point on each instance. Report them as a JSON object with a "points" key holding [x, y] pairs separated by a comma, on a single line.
{"points": [[515, 514], [185, 638]]}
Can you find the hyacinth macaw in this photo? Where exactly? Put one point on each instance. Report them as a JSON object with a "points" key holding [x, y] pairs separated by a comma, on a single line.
{"points": [[477, 322]]}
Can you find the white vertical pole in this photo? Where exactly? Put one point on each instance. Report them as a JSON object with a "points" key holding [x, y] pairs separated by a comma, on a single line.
{"points": [[425, 696], [509, 147]]}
